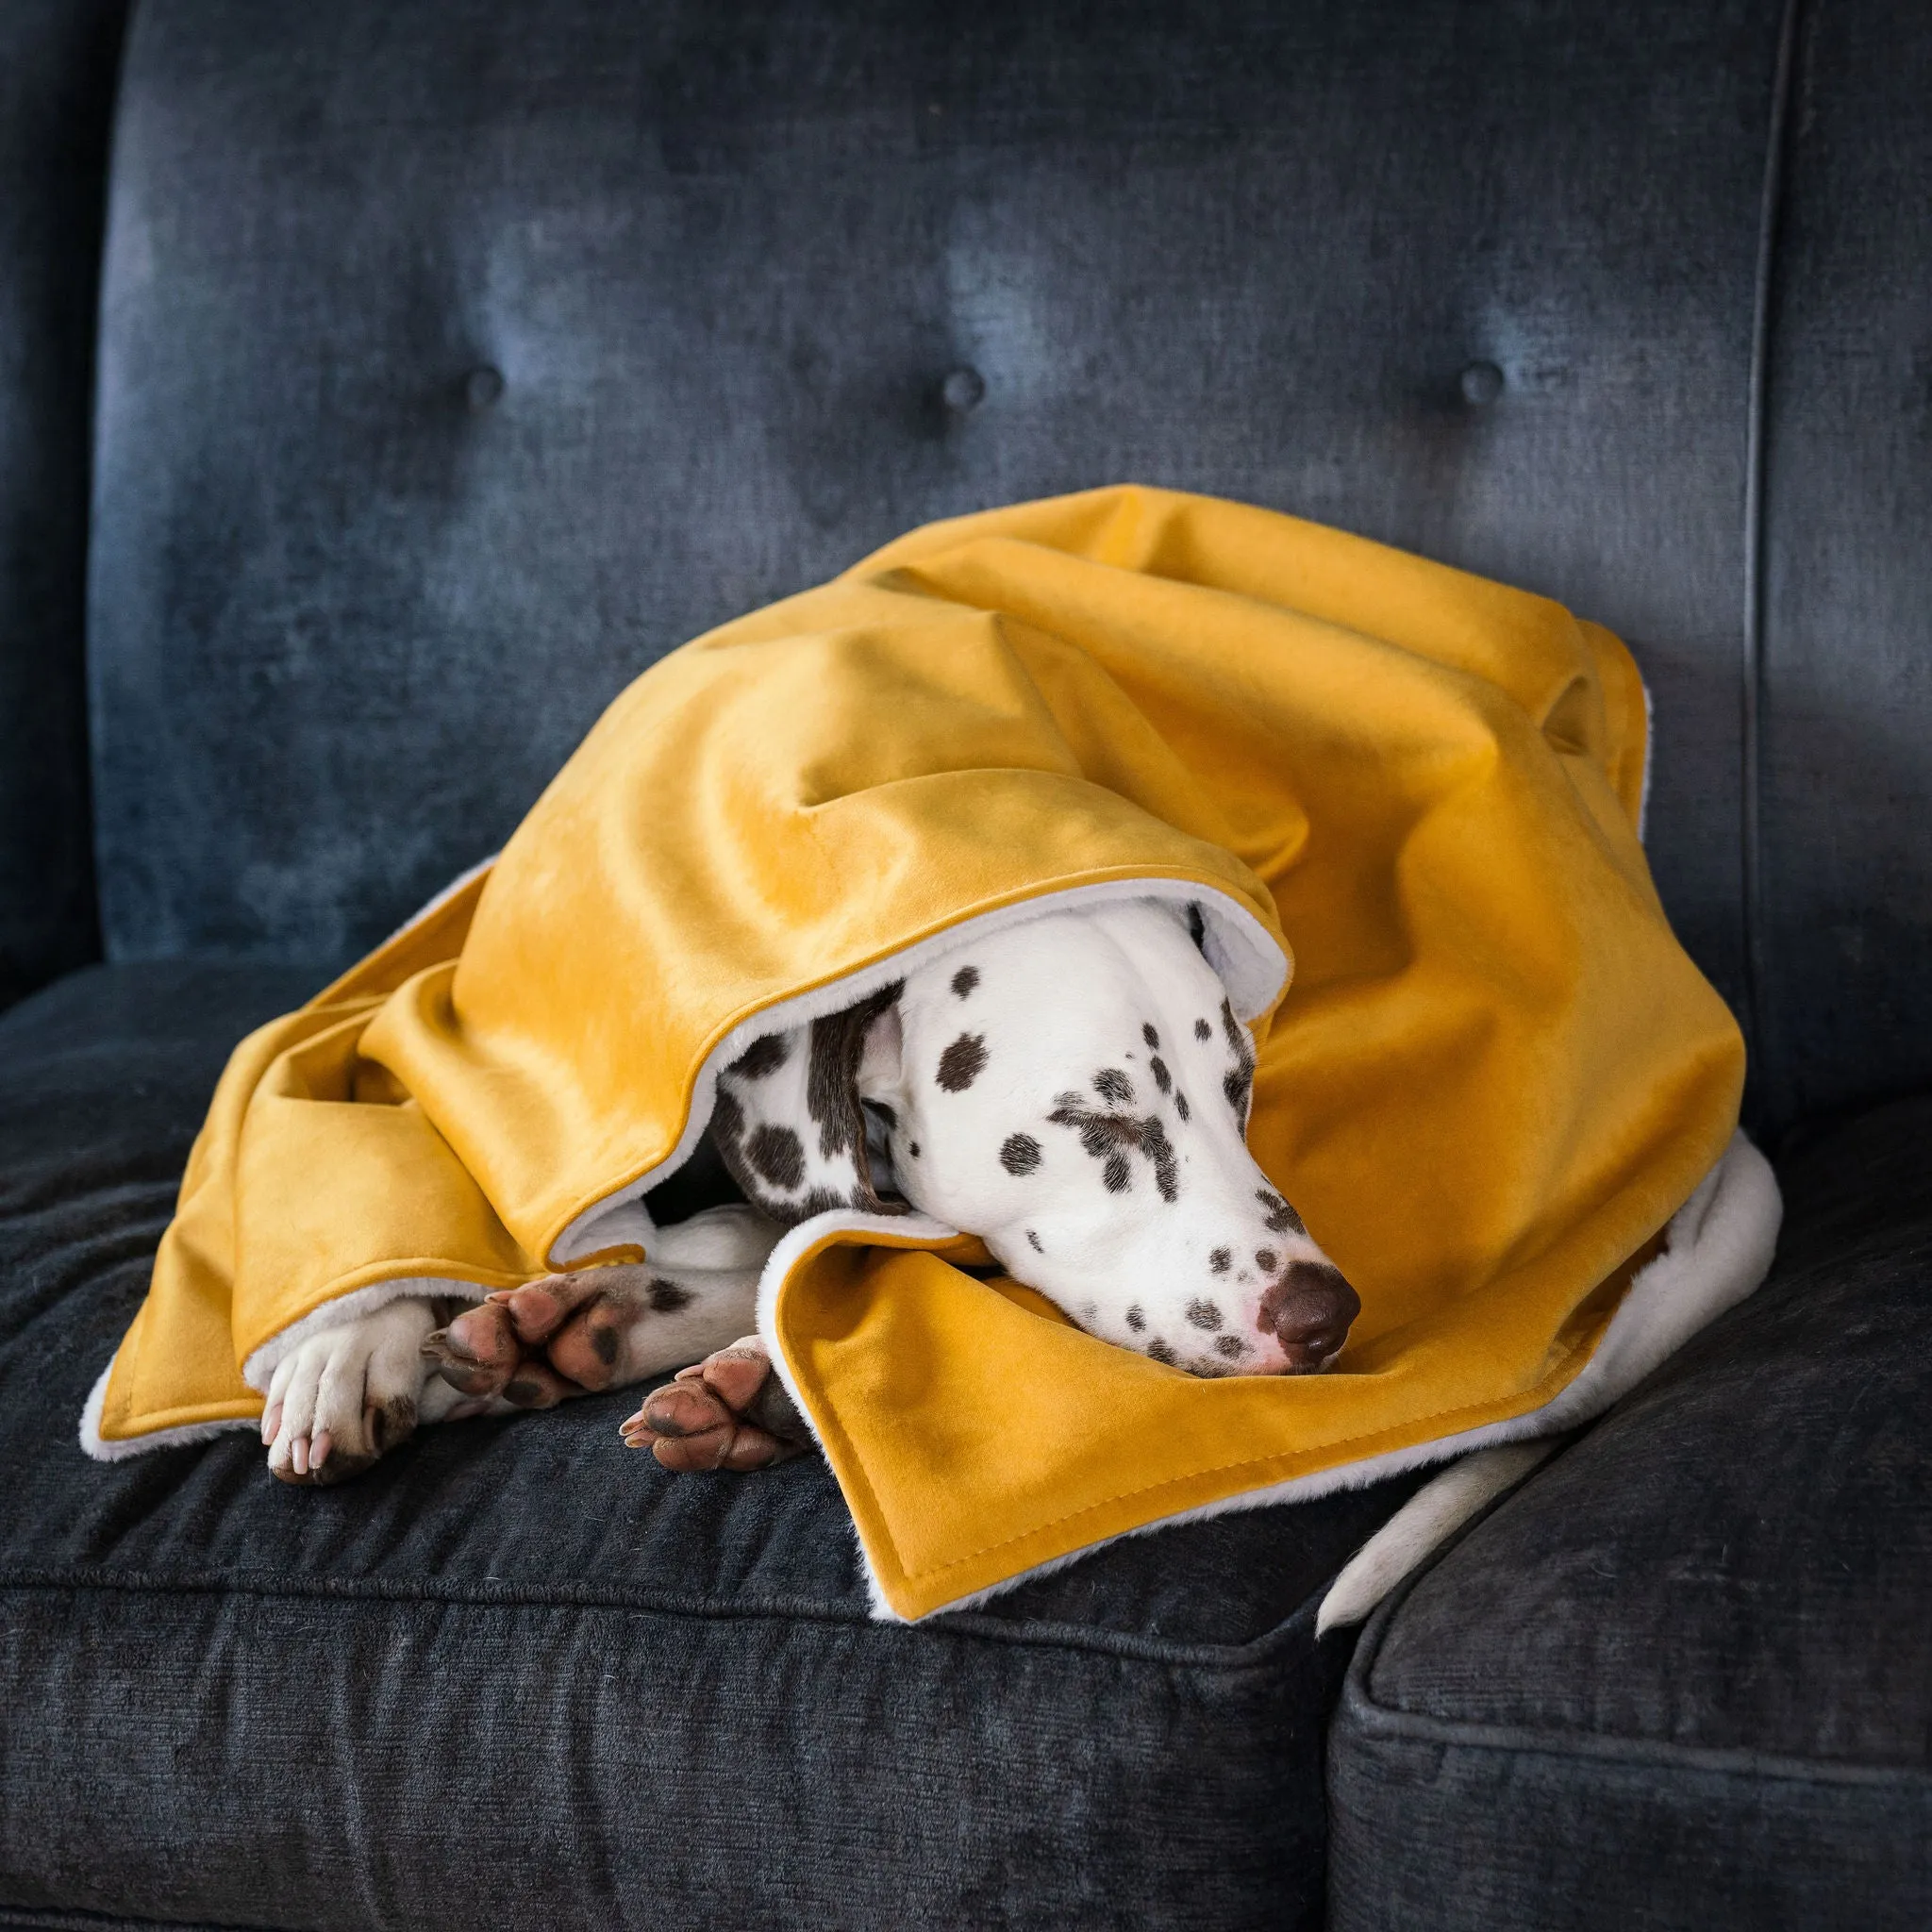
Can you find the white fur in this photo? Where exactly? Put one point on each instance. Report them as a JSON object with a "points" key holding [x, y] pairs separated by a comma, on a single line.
{"points": [[1434, 1513]]}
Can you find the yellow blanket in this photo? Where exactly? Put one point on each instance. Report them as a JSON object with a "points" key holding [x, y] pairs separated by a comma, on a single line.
{"points": [[1494, 1080]]}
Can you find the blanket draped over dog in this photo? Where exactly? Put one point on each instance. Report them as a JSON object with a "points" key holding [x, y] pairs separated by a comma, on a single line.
{"points": [[1494, 1080]]}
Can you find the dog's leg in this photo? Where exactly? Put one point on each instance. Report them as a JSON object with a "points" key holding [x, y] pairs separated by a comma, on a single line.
{"points": [[729, 1412], [346, 1395], [603, 1327]]}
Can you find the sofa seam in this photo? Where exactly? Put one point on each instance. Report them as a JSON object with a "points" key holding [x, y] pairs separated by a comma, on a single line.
{"points": [[1752, 693], [1381, 1723], [1257, 1654]]}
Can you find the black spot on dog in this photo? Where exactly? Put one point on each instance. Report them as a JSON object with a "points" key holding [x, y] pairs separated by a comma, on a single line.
{"points": [[1114, 1087], [1033, 1242], [965, 980], [604, 1345], [822, 1201], [1235, 1083], [666, 1299], [1202, 1030], [831, 1080], [762, 1056], [1205, 1314], [1148, 1034], [1239, 1079], [1107, 1136], [962, 1062], [1161, 1351], [727, 1119], [1207, 1367], [1020, 1154], [1162, 1078], [1180, 1104], [777, 1155], [1135, 1320], [912, 1148], [1221, 1260], [1267, 1260], [1197, 926], [1282, 1219], [1159, 1150], [1232, 1346]]}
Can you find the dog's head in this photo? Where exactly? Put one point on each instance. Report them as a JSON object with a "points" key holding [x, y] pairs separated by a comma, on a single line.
{"points": [[1074, 1091]]}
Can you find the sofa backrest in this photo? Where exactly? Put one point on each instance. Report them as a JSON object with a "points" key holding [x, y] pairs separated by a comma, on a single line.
{"points": [[458, 360], [56, 93]]}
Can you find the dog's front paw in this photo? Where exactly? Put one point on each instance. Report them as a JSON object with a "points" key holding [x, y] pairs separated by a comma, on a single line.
{"points": [[729, 1412], [345, 1396]]}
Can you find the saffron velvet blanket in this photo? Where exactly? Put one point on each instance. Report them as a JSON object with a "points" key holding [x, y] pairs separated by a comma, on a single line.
{"points": [[1491, 1080]]}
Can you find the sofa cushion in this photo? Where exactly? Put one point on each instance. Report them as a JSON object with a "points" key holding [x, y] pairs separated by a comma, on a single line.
{"points": [[520, 1675], [1684, 1677]]}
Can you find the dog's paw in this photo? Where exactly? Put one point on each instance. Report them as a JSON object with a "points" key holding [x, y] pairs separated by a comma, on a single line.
{"points": [[604, 1326], [346, 1395], [483, 1356], [729, 1412]]}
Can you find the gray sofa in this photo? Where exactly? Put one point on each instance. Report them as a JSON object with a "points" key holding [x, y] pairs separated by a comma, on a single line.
{"points": [[383, 384]]}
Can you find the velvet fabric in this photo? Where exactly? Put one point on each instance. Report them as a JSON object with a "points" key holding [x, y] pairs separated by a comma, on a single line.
{"points": [[1683, 1679], [521, 1676]]}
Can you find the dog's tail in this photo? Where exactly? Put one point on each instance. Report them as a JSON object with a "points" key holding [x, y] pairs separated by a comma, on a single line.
{"points": [[1427, 1520]]}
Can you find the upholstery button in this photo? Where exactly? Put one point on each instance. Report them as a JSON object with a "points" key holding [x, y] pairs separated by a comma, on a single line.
{"points": [[1482, 383], [481, 389], [963, 389]]}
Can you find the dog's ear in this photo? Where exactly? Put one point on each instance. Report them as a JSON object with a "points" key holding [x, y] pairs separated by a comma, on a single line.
{"points": [[788, 1118]]}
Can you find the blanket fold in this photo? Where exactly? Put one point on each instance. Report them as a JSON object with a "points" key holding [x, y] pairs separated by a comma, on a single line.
{"points": [[1494, 1078]]}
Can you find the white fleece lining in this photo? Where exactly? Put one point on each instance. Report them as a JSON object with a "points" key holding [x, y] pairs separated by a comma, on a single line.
{"points": [[1241, 949], [91, 1444], [1721, 1245], [1649, 760]]}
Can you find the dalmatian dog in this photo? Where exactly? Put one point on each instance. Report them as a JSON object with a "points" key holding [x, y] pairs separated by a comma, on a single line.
{"points": [[1073, 1090]]}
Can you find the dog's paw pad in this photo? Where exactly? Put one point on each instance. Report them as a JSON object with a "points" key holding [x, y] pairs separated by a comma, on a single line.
{"points": [[590, 1348], [535, 1385], [478, 1351], [698, 1420]]}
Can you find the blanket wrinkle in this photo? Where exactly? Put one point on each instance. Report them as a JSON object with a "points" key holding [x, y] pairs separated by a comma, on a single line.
{"points": [[1493, 1080]]}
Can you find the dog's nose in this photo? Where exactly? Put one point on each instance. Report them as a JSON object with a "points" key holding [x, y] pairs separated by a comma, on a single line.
{"points": [[1309, 1312]]}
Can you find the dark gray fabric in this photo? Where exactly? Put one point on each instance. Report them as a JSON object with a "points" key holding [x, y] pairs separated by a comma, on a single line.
{"points": [[1847, 797], [56, 87], [521, 1676], [1684, 1678], [354, 598]]}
